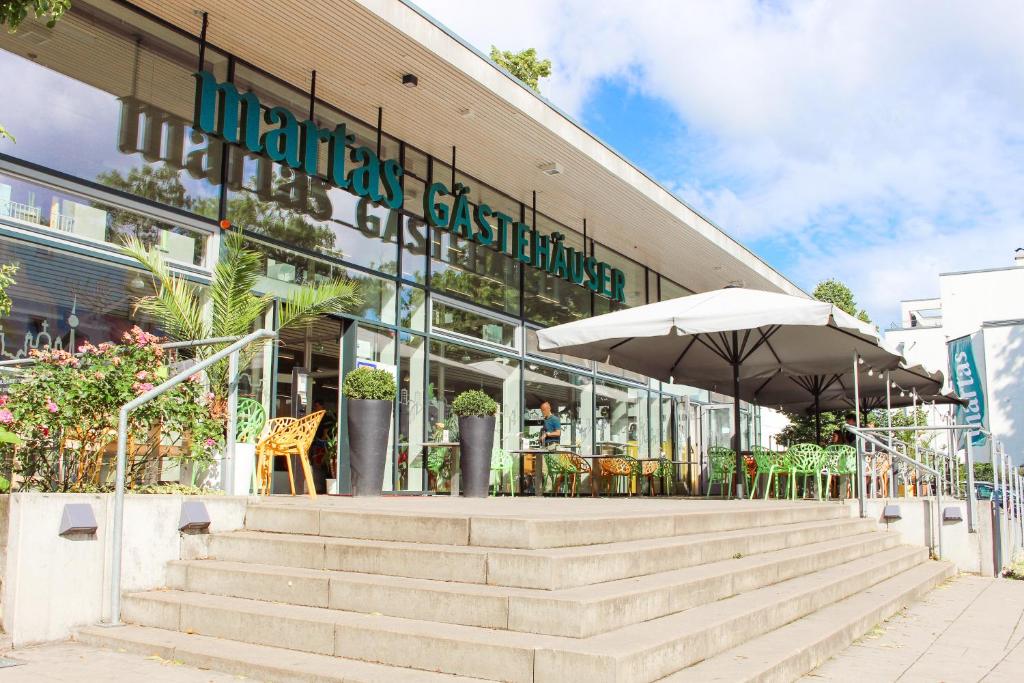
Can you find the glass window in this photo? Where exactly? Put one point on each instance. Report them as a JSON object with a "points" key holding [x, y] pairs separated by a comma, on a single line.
{"points": [[412, 416], [61, 300], [413, 302], [303, 211], [455, 368], [69, 214], [635, 289], [622, 424], [284, 270], [414, 250], [571, 398], [123, 120], [449, 317], [670, 290], [551, 300], [476, 273]]}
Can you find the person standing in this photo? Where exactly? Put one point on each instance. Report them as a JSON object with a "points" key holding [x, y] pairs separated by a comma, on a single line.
{"points": [[551, 431]]}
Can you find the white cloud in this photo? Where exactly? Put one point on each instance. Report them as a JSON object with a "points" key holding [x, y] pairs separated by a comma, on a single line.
{"points": [[875, 141]]}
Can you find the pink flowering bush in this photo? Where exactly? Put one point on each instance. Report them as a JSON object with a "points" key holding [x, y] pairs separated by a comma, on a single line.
{"points": [[65, 412]]}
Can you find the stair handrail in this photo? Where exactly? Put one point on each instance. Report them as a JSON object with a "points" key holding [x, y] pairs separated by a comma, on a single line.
{"points": [[230, 352], [863, 434]]}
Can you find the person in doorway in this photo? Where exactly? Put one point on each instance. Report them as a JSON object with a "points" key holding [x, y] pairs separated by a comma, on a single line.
{"points": [[551, 431]]}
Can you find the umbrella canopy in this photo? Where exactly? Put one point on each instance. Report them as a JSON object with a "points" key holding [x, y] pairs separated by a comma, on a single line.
{"points": [[729, 340]]}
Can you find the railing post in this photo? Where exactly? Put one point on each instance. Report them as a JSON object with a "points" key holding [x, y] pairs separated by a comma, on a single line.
{"points": [[972, 520], [228, 466]]}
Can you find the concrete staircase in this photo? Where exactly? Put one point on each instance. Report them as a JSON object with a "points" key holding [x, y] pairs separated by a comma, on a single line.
{"points": [[598, 591]]}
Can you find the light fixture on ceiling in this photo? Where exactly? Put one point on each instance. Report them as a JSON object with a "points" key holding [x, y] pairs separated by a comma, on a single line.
{"points": [[410, 80], [136, 284], [550, 168], [466, 112]]}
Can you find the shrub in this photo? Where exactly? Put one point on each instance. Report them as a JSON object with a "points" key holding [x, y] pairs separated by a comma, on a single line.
{"points": [[64, 411], [371, 384], [474, 403]]}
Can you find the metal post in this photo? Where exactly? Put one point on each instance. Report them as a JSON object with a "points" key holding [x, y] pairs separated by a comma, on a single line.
{"points": [[917, 455], [1004, 479], [228, 467], [938, 509], [972, 522], [860, 455], [740, 464], [888, 423]]}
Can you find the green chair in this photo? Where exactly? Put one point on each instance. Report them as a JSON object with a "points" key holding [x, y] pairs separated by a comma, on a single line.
{"points": [[721, 467], [251, 420], [767, 463], [806, 460], [503, 463], [840, 459]]}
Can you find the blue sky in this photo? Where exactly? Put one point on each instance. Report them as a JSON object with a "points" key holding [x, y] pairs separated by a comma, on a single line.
{"points": [[876, 142]]}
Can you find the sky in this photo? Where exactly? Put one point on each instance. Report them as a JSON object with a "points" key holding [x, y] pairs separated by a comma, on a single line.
{"points": [[877, 142]]}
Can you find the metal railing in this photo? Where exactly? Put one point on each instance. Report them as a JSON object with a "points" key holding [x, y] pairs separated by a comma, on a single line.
{"points": [[1008, 522], [232, 353], [864, 435]]}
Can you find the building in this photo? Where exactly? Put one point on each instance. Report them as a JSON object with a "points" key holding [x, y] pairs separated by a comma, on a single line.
{"points": [[369, 143], [974, 330]]}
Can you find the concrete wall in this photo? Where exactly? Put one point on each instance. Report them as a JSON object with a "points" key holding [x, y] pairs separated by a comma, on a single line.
{"points": [[971, 552], [1004, 385], [969, 299], [51, 584]]}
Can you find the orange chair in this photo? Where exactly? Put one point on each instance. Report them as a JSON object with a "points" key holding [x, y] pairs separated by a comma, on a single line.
{"points": [[288, 436]]}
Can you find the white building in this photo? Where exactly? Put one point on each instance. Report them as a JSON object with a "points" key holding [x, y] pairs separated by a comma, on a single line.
{"points": [[982, 312]]}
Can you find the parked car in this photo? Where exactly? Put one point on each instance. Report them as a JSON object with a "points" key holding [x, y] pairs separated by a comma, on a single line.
{"points": [[986, 490]]}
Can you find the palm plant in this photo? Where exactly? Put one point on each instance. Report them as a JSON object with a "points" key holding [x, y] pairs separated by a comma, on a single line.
{"points": [[235, 310]]}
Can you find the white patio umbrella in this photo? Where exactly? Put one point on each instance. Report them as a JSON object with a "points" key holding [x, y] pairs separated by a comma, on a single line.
{"points": [[728, 340]]}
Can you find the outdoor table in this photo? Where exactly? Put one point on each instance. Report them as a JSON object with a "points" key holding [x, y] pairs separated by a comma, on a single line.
{"points": [[538, 464], [425, 448]]}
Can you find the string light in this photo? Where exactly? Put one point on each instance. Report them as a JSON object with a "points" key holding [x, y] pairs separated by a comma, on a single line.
{"points": [[871, 372], [860, 360]]}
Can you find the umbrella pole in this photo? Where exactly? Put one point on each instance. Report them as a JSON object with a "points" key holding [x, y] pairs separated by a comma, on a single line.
{"points": [[817, 418], [741, 466], [856, 413]]}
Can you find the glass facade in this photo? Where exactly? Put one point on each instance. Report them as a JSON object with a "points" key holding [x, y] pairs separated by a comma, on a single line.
{"points": [[106, 152]]}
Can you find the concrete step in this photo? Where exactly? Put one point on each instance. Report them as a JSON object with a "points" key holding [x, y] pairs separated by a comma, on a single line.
{"points": [[496, 530], [255, 662], [574, 612], [546, 569], [789, 652], [634, 654]]}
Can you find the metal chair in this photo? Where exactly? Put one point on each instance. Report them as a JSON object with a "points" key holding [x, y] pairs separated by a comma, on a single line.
{"points": [[285, 440], [658, 469], [840, 459], [503, 463], [766, 462], [807, 460], [721, 467], [251, 419], [619, 468]]}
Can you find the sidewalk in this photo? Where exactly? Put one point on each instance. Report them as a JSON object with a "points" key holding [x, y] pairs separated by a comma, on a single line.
{"points": [[76, 663], [970, 629]]}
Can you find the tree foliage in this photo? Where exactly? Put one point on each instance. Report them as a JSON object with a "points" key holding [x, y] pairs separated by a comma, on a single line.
{"points": [[524, 65], [840, 296], [236, 310], [7, 272], [13, 12]]}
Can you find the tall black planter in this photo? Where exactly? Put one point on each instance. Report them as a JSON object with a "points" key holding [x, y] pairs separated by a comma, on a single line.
{"points": [[476, 441], [369, 425]]}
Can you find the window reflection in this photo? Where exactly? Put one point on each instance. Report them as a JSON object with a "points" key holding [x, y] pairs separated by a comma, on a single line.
{"points": [[622, 424], [69, 214], [455, 368], [452, 318], [411, 412], [122, 122], [571, 398], [62, 301]]}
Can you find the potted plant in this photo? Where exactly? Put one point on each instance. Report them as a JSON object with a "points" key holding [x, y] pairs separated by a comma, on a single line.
{"points": [[370, 393], [475, 411]]}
